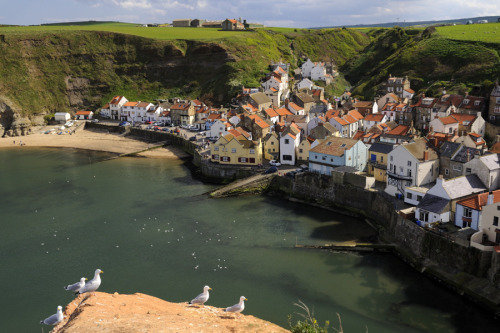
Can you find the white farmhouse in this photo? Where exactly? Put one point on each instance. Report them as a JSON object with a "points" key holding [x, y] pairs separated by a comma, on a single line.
{"points": [[487, 168], [289, 143]]}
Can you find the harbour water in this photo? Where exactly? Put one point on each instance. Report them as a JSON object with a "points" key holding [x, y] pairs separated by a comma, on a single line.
{"points": [[148, 225]]}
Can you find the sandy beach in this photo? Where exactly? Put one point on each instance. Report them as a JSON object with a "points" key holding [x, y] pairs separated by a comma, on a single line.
{"points": [[92, 140]]}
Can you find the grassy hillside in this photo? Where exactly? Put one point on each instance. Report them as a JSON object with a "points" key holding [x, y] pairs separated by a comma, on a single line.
{"points": [[425, 56], [488, 33], [67, 68]]}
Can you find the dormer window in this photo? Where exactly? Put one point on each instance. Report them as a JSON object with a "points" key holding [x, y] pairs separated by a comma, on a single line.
{"points": [[466, 101], [476, 103]]}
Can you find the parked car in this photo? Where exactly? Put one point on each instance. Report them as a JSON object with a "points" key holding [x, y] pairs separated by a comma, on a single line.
{"points": [[149, 122], [193, 138], [124, 123], [272, 169], [95, 120], [274, 163], [291, 174], [156, 128]]}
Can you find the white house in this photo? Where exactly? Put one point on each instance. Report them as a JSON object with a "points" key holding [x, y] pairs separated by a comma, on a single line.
{"points": [[219, 128], [373, 119], [87, 115], [412, 164], [489, 234], [305, 83], [445, 125], [62, 117], [333, 152], [115, 106], [307, 67], [289, 142], [445, 194], [468, 211], [487, 168], [296, 109]]}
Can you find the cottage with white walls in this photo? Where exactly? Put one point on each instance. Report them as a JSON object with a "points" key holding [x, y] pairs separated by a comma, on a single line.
{"points": [[305, 83], [469, 210], [289, 142], [487, 168]]}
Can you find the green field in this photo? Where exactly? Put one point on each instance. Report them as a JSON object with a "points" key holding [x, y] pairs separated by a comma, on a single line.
{"points": [[489, 32], [161, 33]]}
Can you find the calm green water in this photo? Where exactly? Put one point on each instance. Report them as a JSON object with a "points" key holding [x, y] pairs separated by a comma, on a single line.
{"points": [[148, 226]]}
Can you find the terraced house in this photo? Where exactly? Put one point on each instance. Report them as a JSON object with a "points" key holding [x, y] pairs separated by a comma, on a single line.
{"points": [[232, 150]]}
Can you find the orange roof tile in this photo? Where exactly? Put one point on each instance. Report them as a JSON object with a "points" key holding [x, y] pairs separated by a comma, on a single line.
{"points": [[355, 114], [83, 113], [378, 117], [295, 106], [399, 130], [448, 120], [283, 112], [271, 112], [130, 104], [340, 121], [259, 121], [478, 201]]}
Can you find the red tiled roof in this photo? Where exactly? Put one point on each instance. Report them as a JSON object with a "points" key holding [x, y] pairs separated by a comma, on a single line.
{"points": [[130, 104], [448, 120], [399, 130], [461, 117], [295, 106], [340, 121], [378, 117], [83, 113], [358, 135], [283, 112], [259, 121], [478, 201], [271, 112], [143, 104], [355, 114]]}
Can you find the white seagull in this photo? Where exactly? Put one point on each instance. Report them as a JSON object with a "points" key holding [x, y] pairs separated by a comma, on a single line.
{"points": [[55, 318], [237, 307], [92, 285], [201, 298], [76, 286]]}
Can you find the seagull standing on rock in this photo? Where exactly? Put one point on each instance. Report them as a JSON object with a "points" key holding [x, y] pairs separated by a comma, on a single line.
{"points": [[92, 285], [201, 298], [237, 308], [55, 319], [76, 286]]}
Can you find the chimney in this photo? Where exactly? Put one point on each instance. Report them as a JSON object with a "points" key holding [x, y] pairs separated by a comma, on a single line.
{"points": [[426, 155], [490, 199], [439, 180], [286, 102]]}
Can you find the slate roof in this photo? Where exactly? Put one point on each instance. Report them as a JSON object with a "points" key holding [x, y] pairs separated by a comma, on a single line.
{"points": [[462, 186], [380, 147], [433, 204], [492, 161], [465, 154], [448, 149], [260, 98]]}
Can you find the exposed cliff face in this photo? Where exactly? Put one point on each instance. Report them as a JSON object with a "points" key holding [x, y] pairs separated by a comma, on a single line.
{"points": [[46, 73], [142, 313]]}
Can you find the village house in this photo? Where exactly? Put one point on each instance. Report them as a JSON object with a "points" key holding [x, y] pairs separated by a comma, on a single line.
{"points": [[487, 168], [424, 111], [272, 115], [231, 151], [439, 203], [473, 105], [373, 120], [304, 100], [295, 109], [494, 107], [446, 105], [488, 235], [305, 145], [398, 135], [305, 83], [289, 142], [84, 115], [365, 107], [391, 98], [411, 164], [323, 130], [452, 158], [62, 117], [468, 211], [300, 120], [271, 146], [470, 123], [257, 125], [445, 125], [219, 128], [397, 85], [260, 101], [114, 108], [182, 113], [377, 160], [348, 124], [334, 152], [473, 140]]}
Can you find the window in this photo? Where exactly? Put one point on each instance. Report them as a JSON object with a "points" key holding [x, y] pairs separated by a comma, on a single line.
{"points": [[457, 168], [382, 159], [409, 163], [301, 151], [408, 172], [215, 157], [498, 207], [242, 159], [324, 158], [450, 130], [467, 212], [252, 151], [287, 157], [226, 158], [216, 148], [391, 158], [468, 171], [315, 157], [495, 220], [497, 109], [287, 141], [476, 103], [269, 150], [419, 198], [466, 101], [233, 150], [331, 159], [446, 172], [409, 195], [373, 158]]}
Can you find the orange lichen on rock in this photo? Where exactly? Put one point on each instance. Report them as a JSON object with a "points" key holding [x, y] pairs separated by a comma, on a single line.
{"points": [[115, 313]]}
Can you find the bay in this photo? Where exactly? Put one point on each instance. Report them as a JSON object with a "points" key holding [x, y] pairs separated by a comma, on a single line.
{"points": [[152, 229]]}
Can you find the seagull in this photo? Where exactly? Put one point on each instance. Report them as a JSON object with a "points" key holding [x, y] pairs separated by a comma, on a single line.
{"points": [[92, 285], [237, 307], [55, 318], [201, 298], [76, 286]]}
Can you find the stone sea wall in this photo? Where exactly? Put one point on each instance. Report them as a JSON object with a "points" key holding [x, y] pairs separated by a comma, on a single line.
{"points": [[466, 270]]}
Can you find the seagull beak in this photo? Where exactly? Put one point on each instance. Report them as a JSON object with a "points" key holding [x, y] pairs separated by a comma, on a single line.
{"points": [[209, 288], [246, 299], [102, 272], [86, 279]]}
